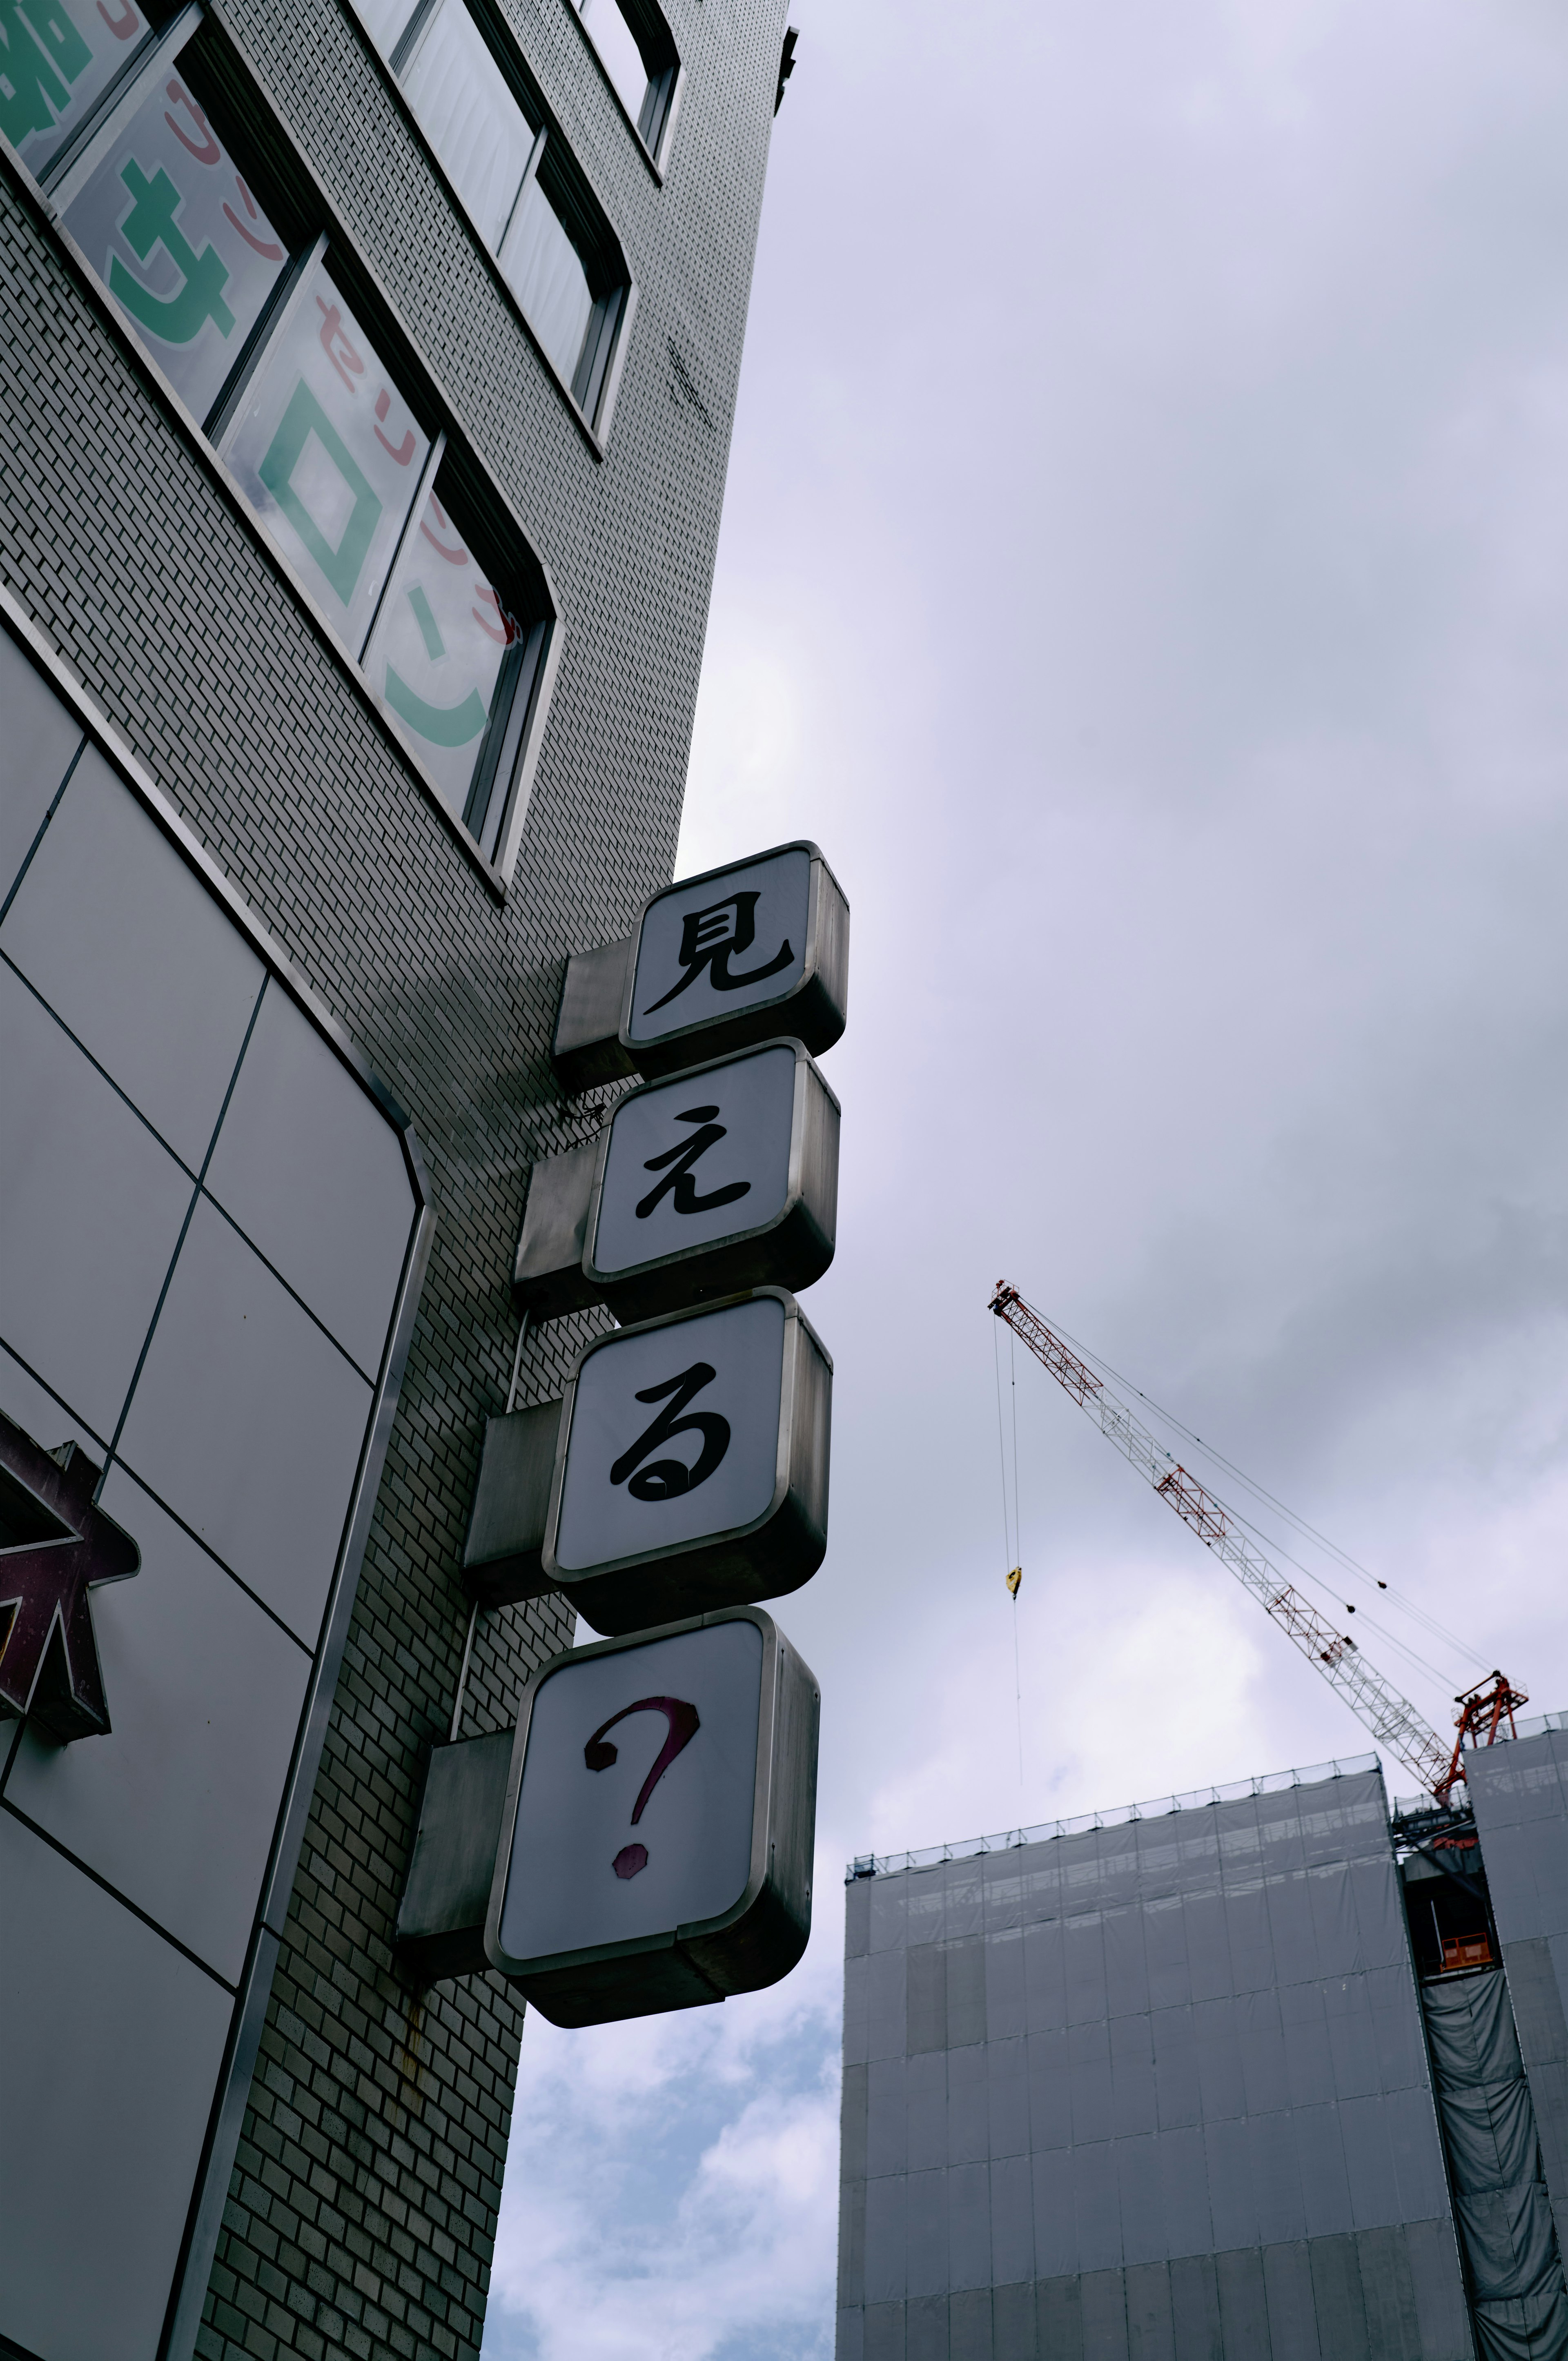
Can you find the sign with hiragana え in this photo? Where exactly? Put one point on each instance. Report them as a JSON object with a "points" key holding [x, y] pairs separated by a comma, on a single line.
{"points": [[724, 1178]]}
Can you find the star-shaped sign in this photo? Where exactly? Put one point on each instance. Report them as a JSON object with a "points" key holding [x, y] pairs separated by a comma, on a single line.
{"points": [[55, 1547]]}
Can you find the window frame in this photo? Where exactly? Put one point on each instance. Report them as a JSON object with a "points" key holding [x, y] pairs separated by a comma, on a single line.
{"points": [[160, 15], [566, 185], [203, 47], [651, 30]]}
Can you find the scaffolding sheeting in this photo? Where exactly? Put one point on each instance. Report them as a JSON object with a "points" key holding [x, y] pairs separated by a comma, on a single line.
{"points": [[887, 1864], [1493, 2155], [1163, 2077]]}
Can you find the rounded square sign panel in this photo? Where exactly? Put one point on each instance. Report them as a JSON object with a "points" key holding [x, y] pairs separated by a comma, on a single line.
{"points": [[725, 1178], [724, 960], [691, 1471], [634, 1813], [656, 1841]]}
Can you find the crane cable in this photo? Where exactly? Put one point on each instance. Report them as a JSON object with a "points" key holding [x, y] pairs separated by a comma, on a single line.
{"points": [[1352, 1565], [1012, 1537]]}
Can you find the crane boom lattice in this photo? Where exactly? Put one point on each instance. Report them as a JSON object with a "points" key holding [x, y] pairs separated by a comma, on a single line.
{"points": [[1393, 1721]]}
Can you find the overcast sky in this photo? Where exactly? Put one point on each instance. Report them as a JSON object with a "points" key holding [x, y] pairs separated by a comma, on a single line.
{"points": [[1145, 572]]}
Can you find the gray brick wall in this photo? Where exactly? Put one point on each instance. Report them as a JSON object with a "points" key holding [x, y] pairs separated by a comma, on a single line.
{"points": [[362, 2209]]}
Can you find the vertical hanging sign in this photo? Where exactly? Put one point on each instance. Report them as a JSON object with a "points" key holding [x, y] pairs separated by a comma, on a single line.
{"points": [[655, 1846], [655, 1843]]}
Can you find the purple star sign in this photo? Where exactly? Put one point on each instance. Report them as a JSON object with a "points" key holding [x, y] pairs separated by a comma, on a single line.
{"points": [[54, 1546]]}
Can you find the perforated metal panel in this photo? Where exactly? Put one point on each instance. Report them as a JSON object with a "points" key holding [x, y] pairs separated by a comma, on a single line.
{"points": [[1151, 2089]]}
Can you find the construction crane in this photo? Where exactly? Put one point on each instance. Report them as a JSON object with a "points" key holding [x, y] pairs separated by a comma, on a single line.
{"points": [[1393, 1721]]}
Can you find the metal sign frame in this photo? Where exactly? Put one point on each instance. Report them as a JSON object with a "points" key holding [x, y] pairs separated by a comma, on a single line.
{"points": [[772, 1554], [762, 1935], [814, 1007], [792, 1248]]}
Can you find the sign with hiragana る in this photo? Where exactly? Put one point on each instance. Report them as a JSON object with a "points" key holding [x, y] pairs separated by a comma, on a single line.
{"points": [[691, 1471]]}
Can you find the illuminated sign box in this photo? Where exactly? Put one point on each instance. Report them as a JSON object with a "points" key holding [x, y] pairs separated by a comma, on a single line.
{"points": [[691, 1472], [656, 1841], [724, 1178], [715, 964]]}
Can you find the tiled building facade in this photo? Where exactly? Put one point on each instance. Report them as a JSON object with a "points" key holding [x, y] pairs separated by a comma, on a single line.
{"points": [[524, 255]]}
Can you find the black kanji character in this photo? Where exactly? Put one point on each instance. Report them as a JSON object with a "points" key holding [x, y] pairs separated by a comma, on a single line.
{"points": [[711, 938]]}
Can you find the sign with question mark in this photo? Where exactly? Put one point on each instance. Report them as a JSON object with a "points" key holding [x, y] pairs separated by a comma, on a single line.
{"points": [[669, 1863], [691, 1468]]}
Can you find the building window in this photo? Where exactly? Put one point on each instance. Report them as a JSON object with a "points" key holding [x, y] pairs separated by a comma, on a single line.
{"points": [[637, 53], [329, 454], [446, 656], [57, 58], [520, 187], [173, 230], [249, 317]]}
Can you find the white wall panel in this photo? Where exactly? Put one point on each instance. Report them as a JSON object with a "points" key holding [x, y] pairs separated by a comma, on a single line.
{"points": [[247, 1421], [316, 1177], [40, 739], [148, 972], [133, 1863], [176, 1807], [36, 1410], [113, 2045], [90, 1212]]}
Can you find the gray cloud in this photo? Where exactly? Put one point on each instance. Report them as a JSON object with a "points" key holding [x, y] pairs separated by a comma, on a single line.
{"points": [[1146, 573]]}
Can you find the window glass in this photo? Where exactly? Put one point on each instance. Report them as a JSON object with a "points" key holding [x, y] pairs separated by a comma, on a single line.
{"points": [[622, 58], [436, 655], [324, 446], [470, 117], [485, 138], [180, 242], [545, 270], [384, 20], [329, 455], [56, 57]]}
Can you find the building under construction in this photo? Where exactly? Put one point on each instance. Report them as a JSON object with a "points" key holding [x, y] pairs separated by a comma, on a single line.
{"points": [[1268, 2073]]}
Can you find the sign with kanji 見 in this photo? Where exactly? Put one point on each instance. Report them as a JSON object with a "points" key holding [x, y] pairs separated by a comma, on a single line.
{"points": [[727, 959]]}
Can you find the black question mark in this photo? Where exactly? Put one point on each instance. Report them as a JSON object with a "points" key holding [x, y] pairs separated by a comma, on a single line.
{"points": [[598, 1755]]}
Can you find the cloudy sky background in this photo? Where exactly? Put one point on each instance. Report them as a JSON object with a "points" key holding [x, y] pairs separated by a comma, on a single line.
{"points": [[1145, 572]]}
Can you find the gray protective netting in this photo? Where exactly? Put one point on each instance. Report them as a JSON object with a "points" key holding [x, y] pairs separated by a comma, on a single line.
{"points": [[1152, 2086], [1500, 2196]]}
